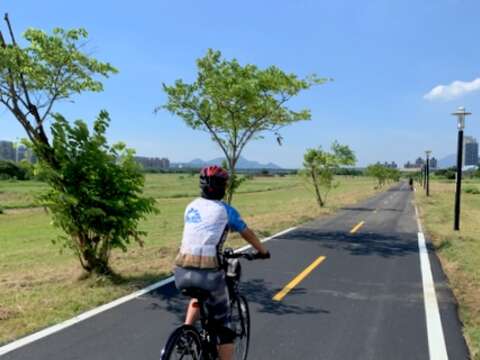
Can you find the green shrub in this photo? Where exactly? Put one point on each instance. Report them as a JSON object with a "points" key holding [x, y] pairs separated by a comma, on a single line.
{"points": [[471, 190], [96, 192], [10, 170]]}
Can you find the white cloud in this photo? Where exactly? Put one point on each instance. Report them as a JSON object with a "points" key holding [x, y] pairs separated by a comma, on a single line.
{"points": [[452, 91]]}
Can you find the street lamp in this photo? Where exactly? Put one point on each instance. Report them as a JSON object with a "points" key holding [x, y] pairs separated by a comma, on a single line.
{"points": [[460, 114], [424, 170], [427, 171]]}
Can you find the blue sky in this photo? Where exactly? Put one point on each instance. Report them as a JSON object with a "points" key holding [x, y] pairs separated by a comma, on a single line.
{"points": [[384, 56]]}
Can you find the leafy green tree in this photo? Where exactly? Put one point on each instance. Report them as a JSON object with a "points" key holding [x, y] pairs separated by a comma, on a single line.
{"points": [[236, 103], [96, 192], [50, 68], [383, 174], [379, 172], [393, 175], [320, 167], [95, 195]]}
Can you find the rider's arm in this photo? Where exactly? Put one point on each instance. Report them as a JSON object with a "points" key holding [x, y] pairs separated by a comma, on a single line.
{"points": [[237, 224], [252, 239]]}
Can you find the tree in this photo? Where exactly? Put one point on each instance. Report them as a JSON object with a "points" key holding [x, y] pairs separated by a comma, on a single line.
{"points": [[49, 69], [96, 193], [236, 103], [382, 174], [95, 189], [379, 172], [320, 167]]}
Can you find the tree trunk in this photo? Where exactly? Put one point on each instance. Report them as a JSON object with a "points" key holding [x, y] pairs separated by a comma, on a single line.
{"points": [[320, 201], [91, 259], [232, 181]]}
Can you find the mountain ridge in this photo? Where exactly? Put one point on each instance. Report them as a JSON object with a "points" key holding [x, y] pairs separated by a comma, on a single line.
{"points": [[242, 163]]}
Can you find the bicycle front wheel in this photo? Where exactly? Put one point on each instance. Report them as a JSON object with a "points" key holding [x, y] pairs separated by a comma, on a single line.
{"points": [[241, 326], [184, 343]]}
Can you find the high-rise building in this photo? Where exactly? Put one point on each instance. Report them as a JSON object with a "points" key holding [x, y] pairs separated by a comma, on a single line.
{"points": [[433, 163], [391, 165], [10, 152], [470, 151], [419, 162], [153, 163], [7, 151]]}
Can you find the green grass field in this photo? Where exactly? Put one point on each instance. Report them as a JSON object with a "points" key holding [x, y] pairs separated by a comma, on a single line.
{"points": [[40, 286], [459, 252]]}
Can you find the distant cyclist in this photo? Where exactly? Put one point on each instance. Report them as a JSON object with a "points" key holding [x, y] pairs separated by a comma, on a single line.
{"points": [[207, 223], [410, 182]]}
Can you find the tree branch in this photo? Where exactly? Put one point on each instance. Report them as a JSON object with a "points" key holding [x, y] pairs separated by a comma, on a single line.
{"points": [[255, 125], [210, 129], [30, 106]]}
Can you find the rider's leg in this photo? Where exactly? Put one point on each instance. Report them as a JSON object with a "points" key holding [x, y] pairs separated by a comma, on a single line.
{"points": [[225, 351], [193, 312]]}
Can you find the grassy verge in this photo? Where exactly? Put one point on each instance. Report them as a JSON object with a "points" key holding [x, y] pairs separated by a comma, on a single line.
{"points": [[20, 194], [40, 286], [459, 252]]}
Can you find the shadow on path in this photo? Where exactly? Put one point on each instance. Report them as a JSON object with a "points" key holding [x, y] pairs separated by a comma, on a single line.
{"points": [[257, 291], [359, 244], [369, 209]]}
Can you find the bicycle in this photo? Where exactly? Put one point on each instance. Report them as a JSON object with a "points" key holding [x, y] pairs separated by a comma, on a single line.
{"points": [[187, 342]]}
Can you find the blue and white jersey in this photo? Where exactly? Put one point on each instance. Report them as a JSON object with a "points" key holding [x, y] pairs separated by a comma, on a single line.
{"points": [[207, 223]]}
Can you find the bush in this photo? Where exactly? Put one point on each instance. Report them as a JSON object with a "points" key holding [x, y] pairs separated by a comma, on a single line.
{"points": [[10, 170], [471, 190], [449, 173], [96, 192]]}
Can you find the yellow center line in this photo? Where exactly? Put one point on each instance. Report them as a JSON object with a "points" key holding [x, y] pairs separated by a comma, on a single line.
{"points": [[297, 279], [356, 227]]}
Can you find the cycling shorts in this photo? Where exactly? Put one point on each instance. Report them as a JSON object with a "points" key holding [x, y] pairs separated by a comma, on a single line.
{"points": [[218, 302]]}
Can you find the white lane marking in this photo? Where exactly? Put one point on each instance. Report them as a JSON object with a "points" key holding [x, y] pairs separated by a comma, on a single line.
{"points": [[283, 232], [90, 313], [419, 224], [436, 340]]}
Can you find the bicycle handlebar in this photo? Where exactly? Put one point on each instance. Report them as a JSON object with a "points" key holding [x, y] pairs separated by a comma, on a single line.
{"points": [[230, 254]]}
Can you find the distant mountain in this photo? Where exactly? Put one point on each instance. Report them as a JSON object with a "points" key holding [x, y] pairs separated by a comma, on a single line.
{"points": [[241, 164], [447, 161]]}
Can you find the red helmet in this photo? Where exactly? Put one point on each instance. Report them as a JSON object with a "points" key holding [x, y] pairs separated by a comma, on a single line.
{"points": [[213, 181]]}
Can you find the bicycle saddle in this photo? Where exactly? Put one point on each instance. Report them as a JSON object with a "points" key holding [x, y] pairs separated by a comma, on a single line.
{"points": [[196, 293]]}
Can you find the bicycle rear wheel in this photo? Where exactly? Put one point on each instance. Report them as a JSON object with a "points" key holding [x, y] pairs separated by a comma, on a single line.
{"points": [[184, 343], [241, 326]]}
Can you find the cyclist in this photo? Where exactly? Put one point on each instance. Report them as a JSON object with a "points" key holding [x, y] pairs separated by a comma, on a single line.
{"points": [[410, 182], [207, 222]]}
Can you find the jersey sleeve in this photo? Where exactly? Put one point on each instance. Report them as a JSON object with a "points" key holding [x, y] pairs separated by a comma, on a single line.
{"points": [[235, 221]]}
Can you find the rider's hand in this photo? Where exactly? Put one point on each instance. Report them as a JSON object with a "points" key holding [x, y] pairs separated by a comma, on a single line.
{"points": [[264, 255]]}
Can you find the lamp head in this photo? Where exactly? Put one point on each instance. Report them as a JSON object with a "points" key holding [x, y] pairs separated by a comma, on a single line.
{"points": [[460, 114]]}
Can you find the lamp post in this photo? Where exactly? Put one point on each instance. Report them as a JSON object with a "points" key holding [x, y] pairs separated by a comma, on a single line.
{"points": [[460, 114], [427, 171], [424, 176]]}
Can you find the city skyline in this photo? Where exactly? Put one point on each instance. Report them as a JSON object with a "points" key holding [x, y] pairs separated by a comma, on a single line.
{"points": [[159, 162]]}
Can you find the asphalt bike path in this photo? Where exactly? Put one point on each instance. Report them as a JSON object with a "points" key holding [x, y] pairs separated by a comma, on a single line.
{"points": [[344, 287]]}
